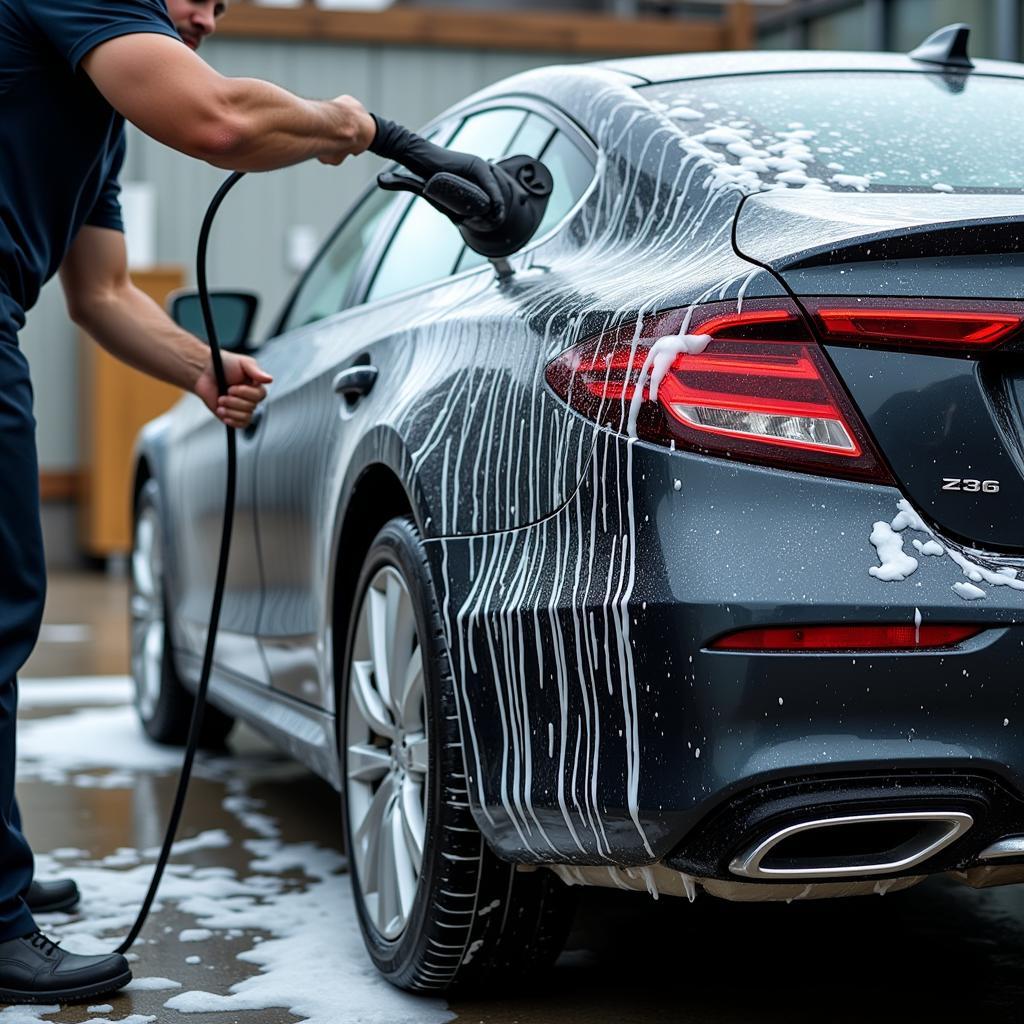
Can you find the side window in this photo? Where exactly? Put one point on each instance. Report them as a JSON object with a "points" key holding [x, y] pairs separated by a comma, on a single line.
{"points": [[426, 245], [570, 167], [572, 170], [534, 134], [323, 290]]}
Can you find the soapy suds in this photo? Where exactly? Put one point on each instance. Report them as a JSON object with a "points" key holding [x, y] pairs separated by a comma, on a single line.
{"points": [[662, 354], [151, 984], [896, 564]]}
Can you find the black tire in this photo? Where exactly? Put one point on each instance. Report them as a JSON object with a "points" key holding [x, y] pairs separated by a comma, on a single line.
{"points": [[163, 704], [475, 920]]}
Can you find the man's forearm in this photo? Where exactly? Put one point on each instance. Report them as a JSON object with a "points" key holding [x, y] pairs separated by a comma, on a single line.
{"points": [[275, 129], [135, 330], [241, 124]]}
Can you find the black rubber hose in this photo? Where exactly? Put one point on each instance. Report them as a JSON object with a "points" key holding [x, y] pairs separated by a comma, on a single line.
{"points": [[196, 724]]}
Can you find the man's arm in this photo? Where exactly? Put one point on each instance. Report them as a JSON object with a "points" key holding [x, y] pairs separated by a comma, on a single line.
{"points": [[240, 124], [132, 327]]}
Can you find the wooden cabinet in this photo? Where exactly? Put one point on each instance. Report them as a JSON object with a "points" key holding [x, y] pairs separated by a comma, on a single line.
{"points": [[116, 401]]}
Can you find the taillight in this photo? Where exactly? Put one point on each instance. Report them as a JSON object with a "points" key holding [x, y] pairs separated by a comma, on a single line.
{"points": [[752, 385], [844, 638], [944, 326]]}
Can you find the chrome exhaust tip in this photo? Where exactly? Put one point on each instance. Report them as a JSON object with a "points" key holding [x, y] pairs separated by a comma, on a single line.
{"points": [[856, 844]]}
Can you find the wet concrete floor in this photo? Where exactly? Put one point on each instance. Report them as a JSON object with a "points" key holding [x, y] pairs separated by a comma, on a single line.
{"points": [[940, 952]]}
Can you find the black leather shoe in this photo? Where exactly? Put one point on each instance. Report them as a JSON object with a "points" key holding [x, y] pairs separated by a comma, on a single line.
{"points": [[35, 970], [48, 897]]}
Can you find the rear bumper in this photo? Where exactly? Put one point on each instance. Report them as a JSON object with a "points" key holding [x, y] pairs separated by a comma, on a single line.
{"points": [[600, 729]]}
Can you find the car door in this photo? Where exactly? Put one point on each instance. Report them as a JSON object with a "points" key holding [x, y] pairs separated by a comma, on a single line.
{"points": [[197, 460], [309, 435]]}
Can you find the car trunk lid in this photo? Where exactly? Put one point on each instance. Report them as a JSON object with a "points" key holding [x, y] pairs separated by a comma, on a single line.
{"points": [[949, 419]]}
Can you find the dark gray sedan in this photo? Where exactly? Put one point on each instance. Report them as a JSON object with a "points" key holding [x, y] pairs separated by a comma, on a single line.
{"points": [[680, 552]]}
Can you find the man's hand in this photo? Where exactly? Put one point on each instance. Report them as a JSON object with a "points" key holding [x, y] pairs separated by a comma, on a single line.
{"points": [[353, 124], [245, 389]]}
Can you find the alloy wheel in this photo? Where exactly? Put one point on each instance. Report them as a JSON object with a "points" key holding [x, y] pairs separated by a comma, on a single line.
{"points": [[386, 755], [147, 611]]}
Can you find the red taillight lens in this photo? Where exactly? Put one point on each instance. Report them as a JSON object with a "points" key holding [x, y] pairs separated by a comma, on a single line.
{"points": [[944, 330], [844, 638], [751, 385]]}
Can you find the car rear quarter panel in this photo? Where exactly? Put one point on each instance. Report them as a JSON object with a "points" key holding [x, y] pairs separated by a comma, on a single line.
{"points": [[599, 725]]}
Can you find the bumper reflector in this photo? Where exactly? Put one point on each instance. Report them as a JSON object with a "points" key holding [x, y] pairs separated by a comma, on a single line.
{"points": [[845, 638]]}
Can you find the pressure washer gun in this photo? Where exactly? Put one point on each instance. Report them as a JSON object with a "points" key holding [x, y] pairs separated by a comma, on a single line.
{"points": [[497, 207]]}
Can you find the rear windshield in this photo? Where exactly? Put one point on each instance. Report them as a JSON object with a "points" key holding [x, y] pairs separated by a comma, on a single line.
{"points": [[878, 131]]}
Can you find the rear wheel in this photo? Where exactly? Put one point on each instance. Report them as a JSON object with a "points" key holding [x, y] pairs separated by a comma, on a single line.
{"points": [[161, 700], [436, 907]]}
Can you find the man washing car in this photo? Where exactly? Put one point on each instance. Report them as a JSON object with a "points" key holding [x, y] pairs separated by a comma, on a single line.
{"points": [[71, 73]]}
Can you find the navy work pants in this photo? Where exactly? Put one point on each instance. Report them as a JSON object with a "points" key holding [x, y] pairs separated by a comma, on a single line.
{"points": [[22, 592]]}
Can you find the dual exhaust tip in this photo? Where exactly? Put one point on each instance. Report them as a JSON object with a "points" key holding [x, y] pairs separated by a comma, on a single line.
{"points": [[851, 845]]}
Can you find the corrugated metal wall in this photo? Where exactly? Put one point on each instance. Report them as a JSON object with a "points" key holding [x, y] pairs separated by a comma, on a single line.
{"points": [[408, 84]]}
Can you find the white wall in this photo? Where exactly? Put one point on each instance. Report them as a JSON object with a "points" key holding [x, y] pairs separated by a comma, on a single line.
{"points": [[408, 84]]}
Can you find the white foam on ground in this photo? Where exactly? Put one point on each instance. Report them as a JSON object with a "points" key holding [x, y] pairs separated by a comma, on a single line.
{"points": [[151, 985], [211, 839], [52, 749], [41, 1015], [49, 693], [27, 1014], [292, 910]]}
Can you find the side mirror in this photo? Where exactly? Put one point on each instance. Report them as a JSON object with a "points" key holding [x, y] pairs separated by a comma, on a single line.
{"points": [[233, 315]]}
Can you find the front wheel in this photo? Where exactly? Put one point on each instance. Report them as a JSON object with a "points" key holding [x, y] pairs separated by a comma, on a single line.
{"points": [[163, 704], [436, 907]]}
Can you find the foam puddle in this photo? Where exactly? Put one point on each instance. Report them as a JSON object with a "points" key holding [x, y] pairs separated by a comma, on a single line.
{"points": [[291, 910]]}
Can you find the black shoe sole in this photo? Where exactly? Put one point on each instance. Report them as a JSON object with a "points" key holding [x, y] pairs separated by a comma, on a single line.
{"points": [[66, 995], [68, 903]]}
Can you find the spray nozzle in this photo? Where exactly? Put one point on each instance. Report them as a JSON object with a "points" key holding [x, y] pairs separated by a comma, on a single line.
{"points": [[493, 229]]}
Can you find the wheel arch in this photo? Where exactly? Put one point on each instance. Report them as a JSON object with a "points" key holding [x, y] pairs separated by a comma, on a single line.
{"points": [[375, 493]]}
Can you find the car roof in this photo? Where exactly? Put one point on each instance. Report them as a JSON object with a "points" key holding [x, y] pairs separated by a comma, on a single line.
{"points": [[674, 67]]}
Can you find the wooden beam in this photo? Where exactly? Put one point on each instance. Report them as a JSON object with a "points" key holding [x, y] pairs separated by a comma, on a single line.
{"points": [[532, 31], [740, 26], [59, 485]]}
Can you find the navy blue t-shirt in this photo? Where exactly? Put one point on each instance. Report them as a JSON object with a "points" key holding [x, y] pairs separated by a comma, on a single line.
{"points": [[61, 143]]}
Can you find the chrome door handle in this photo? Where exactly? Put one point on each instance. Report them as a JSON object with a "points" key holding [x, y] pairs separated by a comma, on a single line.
{"points": [[356, 382]]}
